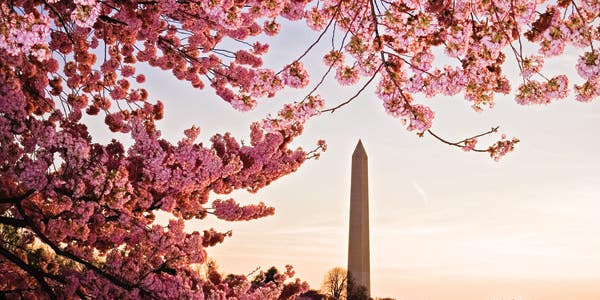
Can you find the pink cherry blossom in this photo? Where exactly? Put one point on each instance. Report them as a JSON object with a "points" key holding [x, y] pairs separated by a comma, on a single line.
{"points": [[295, 75], [229, 210], [470, 144]]}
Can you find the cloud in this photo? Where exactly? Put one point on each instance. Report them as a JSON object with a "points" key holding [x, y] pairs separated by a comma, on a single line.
{"points": [[420, 191]]}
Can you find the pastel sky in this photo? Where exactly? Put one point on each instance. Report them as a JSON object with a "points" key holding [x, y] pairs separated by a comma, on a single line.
{"points": [[445, 224]]}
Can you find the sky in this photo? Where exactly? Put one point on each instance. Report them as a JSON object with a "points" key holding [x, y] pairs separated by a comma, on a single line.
{"points": [[445, 224]]}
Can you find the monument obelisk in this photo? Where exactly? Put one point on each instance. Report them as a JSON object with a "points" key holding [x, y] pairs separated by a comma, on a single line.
{"points": [[358, 242]]}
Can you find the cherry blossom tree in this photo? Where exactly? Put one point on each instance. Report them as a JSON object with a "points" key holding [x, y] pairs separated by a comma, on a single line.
{"points": [[88, 209]]}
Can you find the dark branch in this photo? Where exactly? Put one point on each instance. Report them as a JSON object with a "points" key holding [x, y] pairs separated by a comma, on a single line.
{"points": [[39, 276], [461, 143], [357, 93], [14, 200], [13, 222]]}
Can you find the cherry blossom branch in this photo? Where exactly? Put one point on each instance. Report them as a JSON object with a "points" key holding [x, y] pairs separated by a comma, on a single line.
{"points": [[343, 41], [16, 199], [321, 145], [253, 271], [382, 54], [39, 276], [62, 21], [466, 144], [582, 19], [357, 93], [315, 42], [409, 63], [75, 258], [518, 55], [462, 143]]}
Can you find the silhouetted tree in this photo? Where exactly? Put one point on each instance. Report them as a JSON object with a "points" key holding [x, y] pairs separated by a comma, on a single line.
{"points": [[334, 283], [356, 291], [270, 275]]}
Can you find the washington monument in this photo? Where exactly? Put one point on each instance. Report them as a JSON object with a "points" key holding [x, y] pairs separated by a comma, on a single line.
{"points": [[358, 242]]}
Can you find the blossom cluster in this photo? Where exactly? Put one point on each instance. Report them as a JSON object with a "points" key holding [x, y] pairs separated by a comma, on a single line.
{"points": [[588, 67], [293, 116], [502, 147], [470, 144], [24, 33], [86, 12], [295, 75], [230, 210], [534, 92]]}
